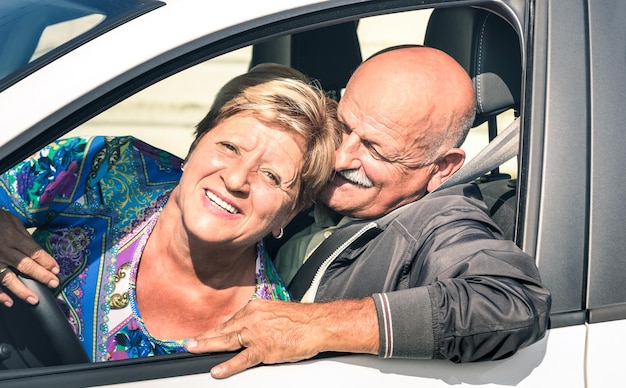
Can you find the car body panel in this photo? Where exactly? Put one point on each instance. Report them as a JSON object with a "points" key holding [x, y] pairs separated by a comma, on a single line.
{"points": [[535, 366], [604, 354]]}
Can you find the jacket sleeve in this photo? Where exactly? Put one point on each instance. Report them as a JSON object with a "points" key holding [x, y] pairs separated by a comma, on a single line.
{"points": [[476, 297]]}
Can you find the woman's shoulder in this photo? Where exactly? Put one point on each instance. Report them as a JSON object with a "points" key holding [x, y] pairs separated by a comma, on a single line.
{"points": [[162, 156], [101, 151]]}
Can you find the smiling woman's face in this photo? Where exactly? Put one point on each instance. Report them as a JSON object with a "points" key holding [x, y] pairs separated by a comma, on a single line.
{"points": [[240, 181]]}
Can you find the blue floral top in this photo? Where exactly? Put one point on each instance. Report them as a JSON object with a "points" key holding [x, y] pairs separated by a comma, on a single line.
{"points": [[94, 202]]}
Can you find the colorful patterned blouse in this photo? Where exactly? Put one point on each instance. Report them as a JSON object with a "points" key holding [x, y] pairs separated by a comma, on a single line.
{"points": [[94, 202]]}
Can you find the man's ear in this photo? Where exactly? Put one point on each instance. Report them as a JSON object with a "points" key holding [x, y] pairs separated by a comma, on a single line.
{"points": [[443, 169]]}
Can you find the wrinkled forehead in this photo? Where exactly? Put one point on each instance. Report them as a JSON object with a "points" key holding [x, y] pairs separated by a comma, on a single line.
{"points": [[388, 106]]}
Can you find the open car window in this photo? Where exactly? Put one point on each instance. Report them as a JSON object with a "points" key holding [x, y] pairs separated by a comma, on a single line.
{"points": [[165, 113]]}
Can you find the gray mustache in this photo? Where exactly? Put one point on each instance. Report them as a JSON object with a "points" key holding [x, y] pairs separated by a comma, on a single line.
{"points": [[356, 177]]}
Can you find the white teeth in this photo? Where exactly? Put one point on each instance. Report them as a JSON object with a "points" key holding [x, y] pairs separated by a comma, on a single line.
{"points": [[216, 200]]}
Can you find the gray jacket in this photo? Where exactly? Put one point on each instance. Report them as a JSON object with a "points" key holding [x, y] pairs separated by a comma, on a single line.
{"points": [[445, 282]]}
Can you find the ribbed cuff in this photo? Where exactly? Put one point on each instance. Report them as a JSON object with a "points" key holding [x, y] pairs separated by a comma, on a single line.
{"points": [[405, 324]]}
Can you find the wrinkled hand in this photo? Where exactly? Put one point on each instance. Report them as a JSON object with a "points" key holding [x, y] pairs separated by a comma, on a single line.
{"points": [[18, 251], [272, 331]]}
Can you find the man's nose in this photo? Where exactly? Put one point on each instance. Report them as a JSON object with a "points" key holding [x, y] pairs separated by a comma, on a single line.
{"points": [[349, 153]]}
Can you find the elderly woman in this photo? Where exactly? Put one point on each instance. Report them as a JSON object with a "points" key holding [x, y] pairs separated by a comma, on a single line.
{"points": [[149, 250]]}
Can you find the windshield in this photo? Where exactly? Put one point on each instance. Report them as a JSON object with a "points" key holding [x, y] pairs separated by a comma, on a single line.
{"points": [[35, 32]]}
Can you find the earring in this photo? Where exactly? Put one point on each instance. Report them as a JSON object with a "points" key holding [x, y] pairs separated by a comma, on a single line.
{"points": [[280, 235], [182, 167]]}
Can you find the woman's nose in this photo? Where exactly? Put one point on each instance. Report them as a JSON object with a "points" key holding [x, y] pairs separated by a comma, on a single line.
{"points": [[349, 152], [236, 177]]}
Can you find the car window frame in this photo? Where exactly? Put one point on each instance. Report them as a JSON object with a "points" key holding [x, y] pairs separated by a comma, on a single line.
{"points": [[554, 161], [109, 23], [606, 299]]}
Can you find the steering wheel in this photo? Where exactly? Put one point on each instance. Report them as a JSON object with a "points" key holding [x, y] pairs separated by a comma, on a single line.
{"points": [[40, 335]]}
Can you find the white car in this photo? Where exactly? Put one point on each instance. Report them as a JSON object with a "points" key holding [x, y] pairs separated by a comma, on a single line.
{"points": [[150, 68]]}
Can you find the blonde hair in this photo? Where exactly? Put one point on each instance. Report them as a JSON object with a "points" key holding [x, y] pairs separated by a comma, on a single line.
{"points": [[282, 96]]}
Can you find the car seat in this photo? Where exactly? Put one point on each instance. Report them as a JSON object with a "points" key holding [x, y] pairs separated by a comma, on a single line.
{"points": [[489, 49], [328, 55]]}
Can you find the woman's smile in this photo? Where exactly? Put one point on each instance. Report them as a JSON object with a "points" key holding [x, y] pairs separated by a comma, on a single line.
{"points": [[220, 203]]}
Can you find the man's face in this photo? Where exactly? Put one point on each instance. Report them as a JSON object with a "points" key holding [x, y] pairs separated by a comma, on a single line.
{"points": [[379, 165]]}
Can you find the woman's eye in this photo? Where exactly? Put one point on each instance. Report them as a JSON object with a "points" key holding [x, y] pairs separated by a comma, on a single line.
{"points": [[228, 146], [272, 177]]}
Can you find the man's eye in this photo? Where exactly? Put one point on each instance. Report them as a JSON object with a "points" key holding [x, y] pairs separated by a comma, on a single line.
{"points": [[377, 155]]}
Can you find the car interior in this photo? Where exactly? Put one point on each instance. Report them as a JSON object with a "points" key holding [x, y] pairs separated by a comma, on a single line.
{"points": [[486, 45]]}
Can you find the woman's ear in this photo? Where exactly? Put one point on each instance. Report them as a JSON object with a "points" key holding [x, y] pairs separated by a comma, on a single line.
{"points": [[443, 169], [279, 231]]}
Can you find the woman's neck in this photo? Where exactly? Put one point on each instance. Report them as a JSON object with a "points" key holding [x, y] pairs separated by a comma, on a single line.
{"points": [[212, 263], [184, 287]]}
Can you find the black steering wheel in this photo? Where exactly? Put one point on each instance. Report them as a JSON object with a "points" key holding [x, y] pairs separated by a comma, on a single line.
{"points": [[35, 336]]}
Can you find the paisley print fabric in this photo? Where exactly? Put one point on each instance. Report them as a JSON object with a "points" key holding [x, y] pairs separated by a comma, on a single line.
{"points": [[94, 202]]}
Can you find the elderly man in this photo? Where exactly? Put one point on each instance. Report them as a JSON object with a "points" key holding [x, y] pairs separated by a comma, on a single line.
{"points": [[432, 279]]}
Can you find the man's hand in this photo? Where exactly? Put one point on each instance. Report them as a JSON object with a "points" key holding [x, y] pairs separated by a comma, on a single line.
{"points": [[271, 332], [19, 251]]}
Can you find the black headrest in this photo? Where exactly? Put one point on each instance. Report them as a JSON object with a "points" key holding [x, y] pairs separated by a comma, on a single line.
{"points": [[329, 54], [488, 48]]}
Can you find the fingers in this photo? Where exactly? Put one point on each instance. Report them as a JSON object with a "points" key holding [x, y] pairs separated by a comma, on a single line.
{"points": [[224, 337], [20, 253], [229, 336], [245, 359], [208, 343], [5, 299], [268, 331], [232, 341], [31, 268], [16, 243], [35, 252], [37, 267], [10, 281]]}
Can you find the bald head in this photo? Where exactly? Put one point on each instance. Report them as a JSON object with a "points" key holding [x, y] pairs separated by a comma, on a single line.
{"points": [[421, 89], [405, 112]]}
